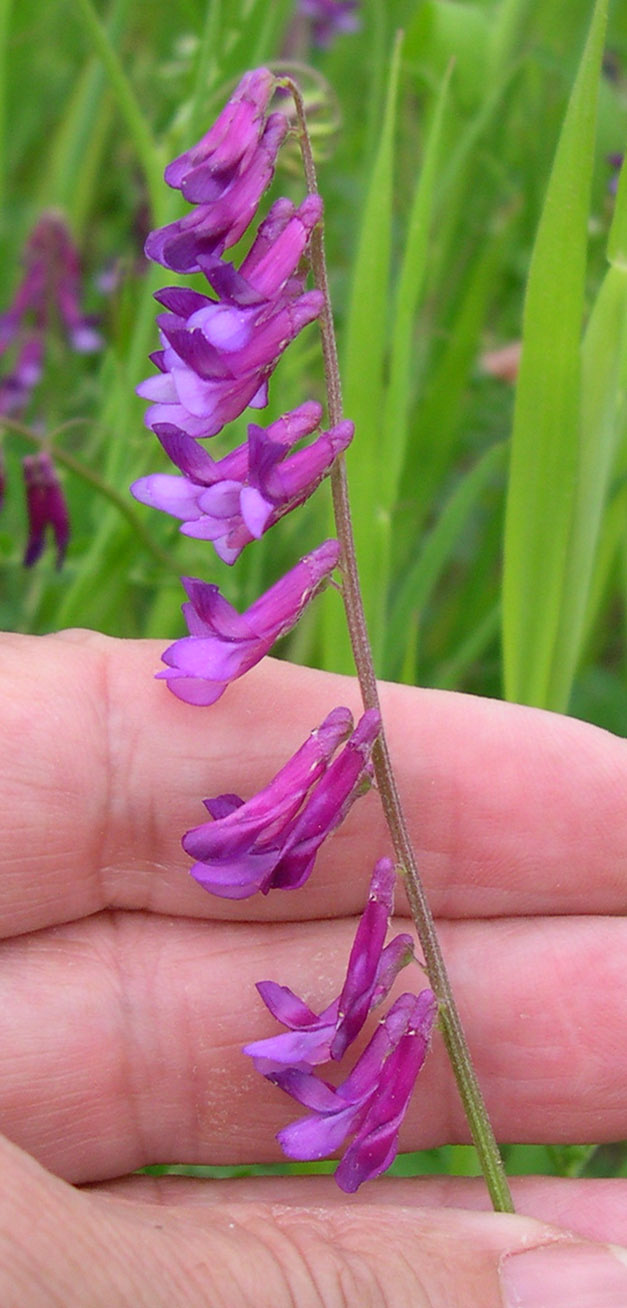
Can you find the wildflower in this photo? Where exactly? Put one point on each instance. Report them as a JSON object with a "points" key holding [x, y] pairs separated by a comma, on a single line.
{"points": [[330, 18], [271, 841], [234, 500], [17, 385], [316, 1038], [49, 290], [225, 174], [224, 644], [46, 507], [370, 1104], [217, 355]]}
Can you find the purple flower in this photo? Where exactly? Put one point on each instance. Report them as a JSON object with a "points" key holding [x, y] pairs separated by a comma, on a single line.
{"points": [[209, 229], [234, 500], [370, 1104], [271, 841], [330, 18], [46, 507], [49, 290], [316, 1038], [223, 644], [218, 355], [202, 172], [17, 385], [225, 175]]}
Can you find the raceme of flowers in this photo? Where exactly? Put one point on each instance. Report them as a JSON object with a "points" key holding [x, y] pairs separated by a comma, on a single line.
{"points": [[47, 298], [219, 348]]}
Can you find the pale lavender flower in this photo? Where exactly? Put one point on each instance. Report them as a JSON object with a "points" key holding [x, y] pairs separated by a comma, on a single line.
{"points": [[315, 1038], [268, 843], [370, 1104], [46, 507], [218, 355], [234, 500], [223, 644]]}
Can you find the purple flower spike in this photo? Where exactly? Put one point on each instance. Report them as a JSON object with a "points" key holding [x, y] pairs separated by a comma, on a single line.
{"points": [[316, 1038], [234, 500], [251, 847], [370, 1104], [224, 644], [46, 507]]}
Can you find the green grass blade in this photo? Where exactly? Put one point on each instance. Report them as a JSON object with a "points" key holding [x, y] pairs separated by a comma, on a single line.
{"points": [[364, 355], [544, 457], [435, 553], [410, 285], [149, 155]]}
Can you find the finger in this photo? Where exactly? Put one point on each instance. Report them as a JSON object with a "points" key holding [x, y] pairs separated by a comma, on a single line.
{"points": [[512, 810], [120, 1038], [591, 1209], [110, 1253]]}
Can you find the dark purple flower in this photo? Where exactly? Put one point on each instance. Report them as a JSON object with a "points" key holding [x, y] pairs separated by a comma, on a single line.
{"points": [[330, 18], [316, 1038], [223, 644], [46, 507], [234, 500], [217, 355], [370, 1104], [267, 843]]}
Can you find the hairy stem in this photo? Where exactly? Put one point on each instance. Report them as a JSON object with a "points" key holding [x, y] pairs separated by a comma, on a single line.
{"points": [[450, 1023]]}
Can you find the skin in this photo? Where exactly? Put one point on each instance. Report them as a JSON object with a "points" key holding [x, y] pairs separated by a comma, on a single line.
{"points": [[126, 991]]}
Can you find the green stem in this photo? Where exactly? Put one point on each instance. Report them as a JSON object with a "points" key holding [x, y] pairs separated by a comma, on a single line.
{"points": [[450, 1023], [92, 479]]}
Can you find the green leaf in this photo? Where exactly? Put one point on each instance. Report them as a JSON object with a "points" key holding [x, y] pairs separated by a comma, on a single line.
{"points": [[545, 456]]}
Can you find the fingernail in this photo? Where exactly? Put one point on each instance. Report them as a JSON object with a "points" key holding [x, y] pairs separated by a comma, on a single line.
{"points": [[562, 1275]]}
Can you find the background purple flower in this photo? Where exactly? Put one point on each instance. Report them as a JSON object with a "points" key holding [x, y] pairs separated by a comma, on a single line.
{"points": [[330, 18], [46, 507]]}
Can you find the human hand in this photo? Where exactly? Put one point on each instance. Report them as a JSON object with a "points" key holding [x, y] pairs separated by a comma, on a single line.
{"points": [[127, 993]]}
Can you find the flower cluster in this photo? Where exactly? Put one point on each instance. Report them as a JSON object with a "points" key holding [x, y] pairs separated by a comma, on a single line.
{"points": [[47, 298], [218, 351]]}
